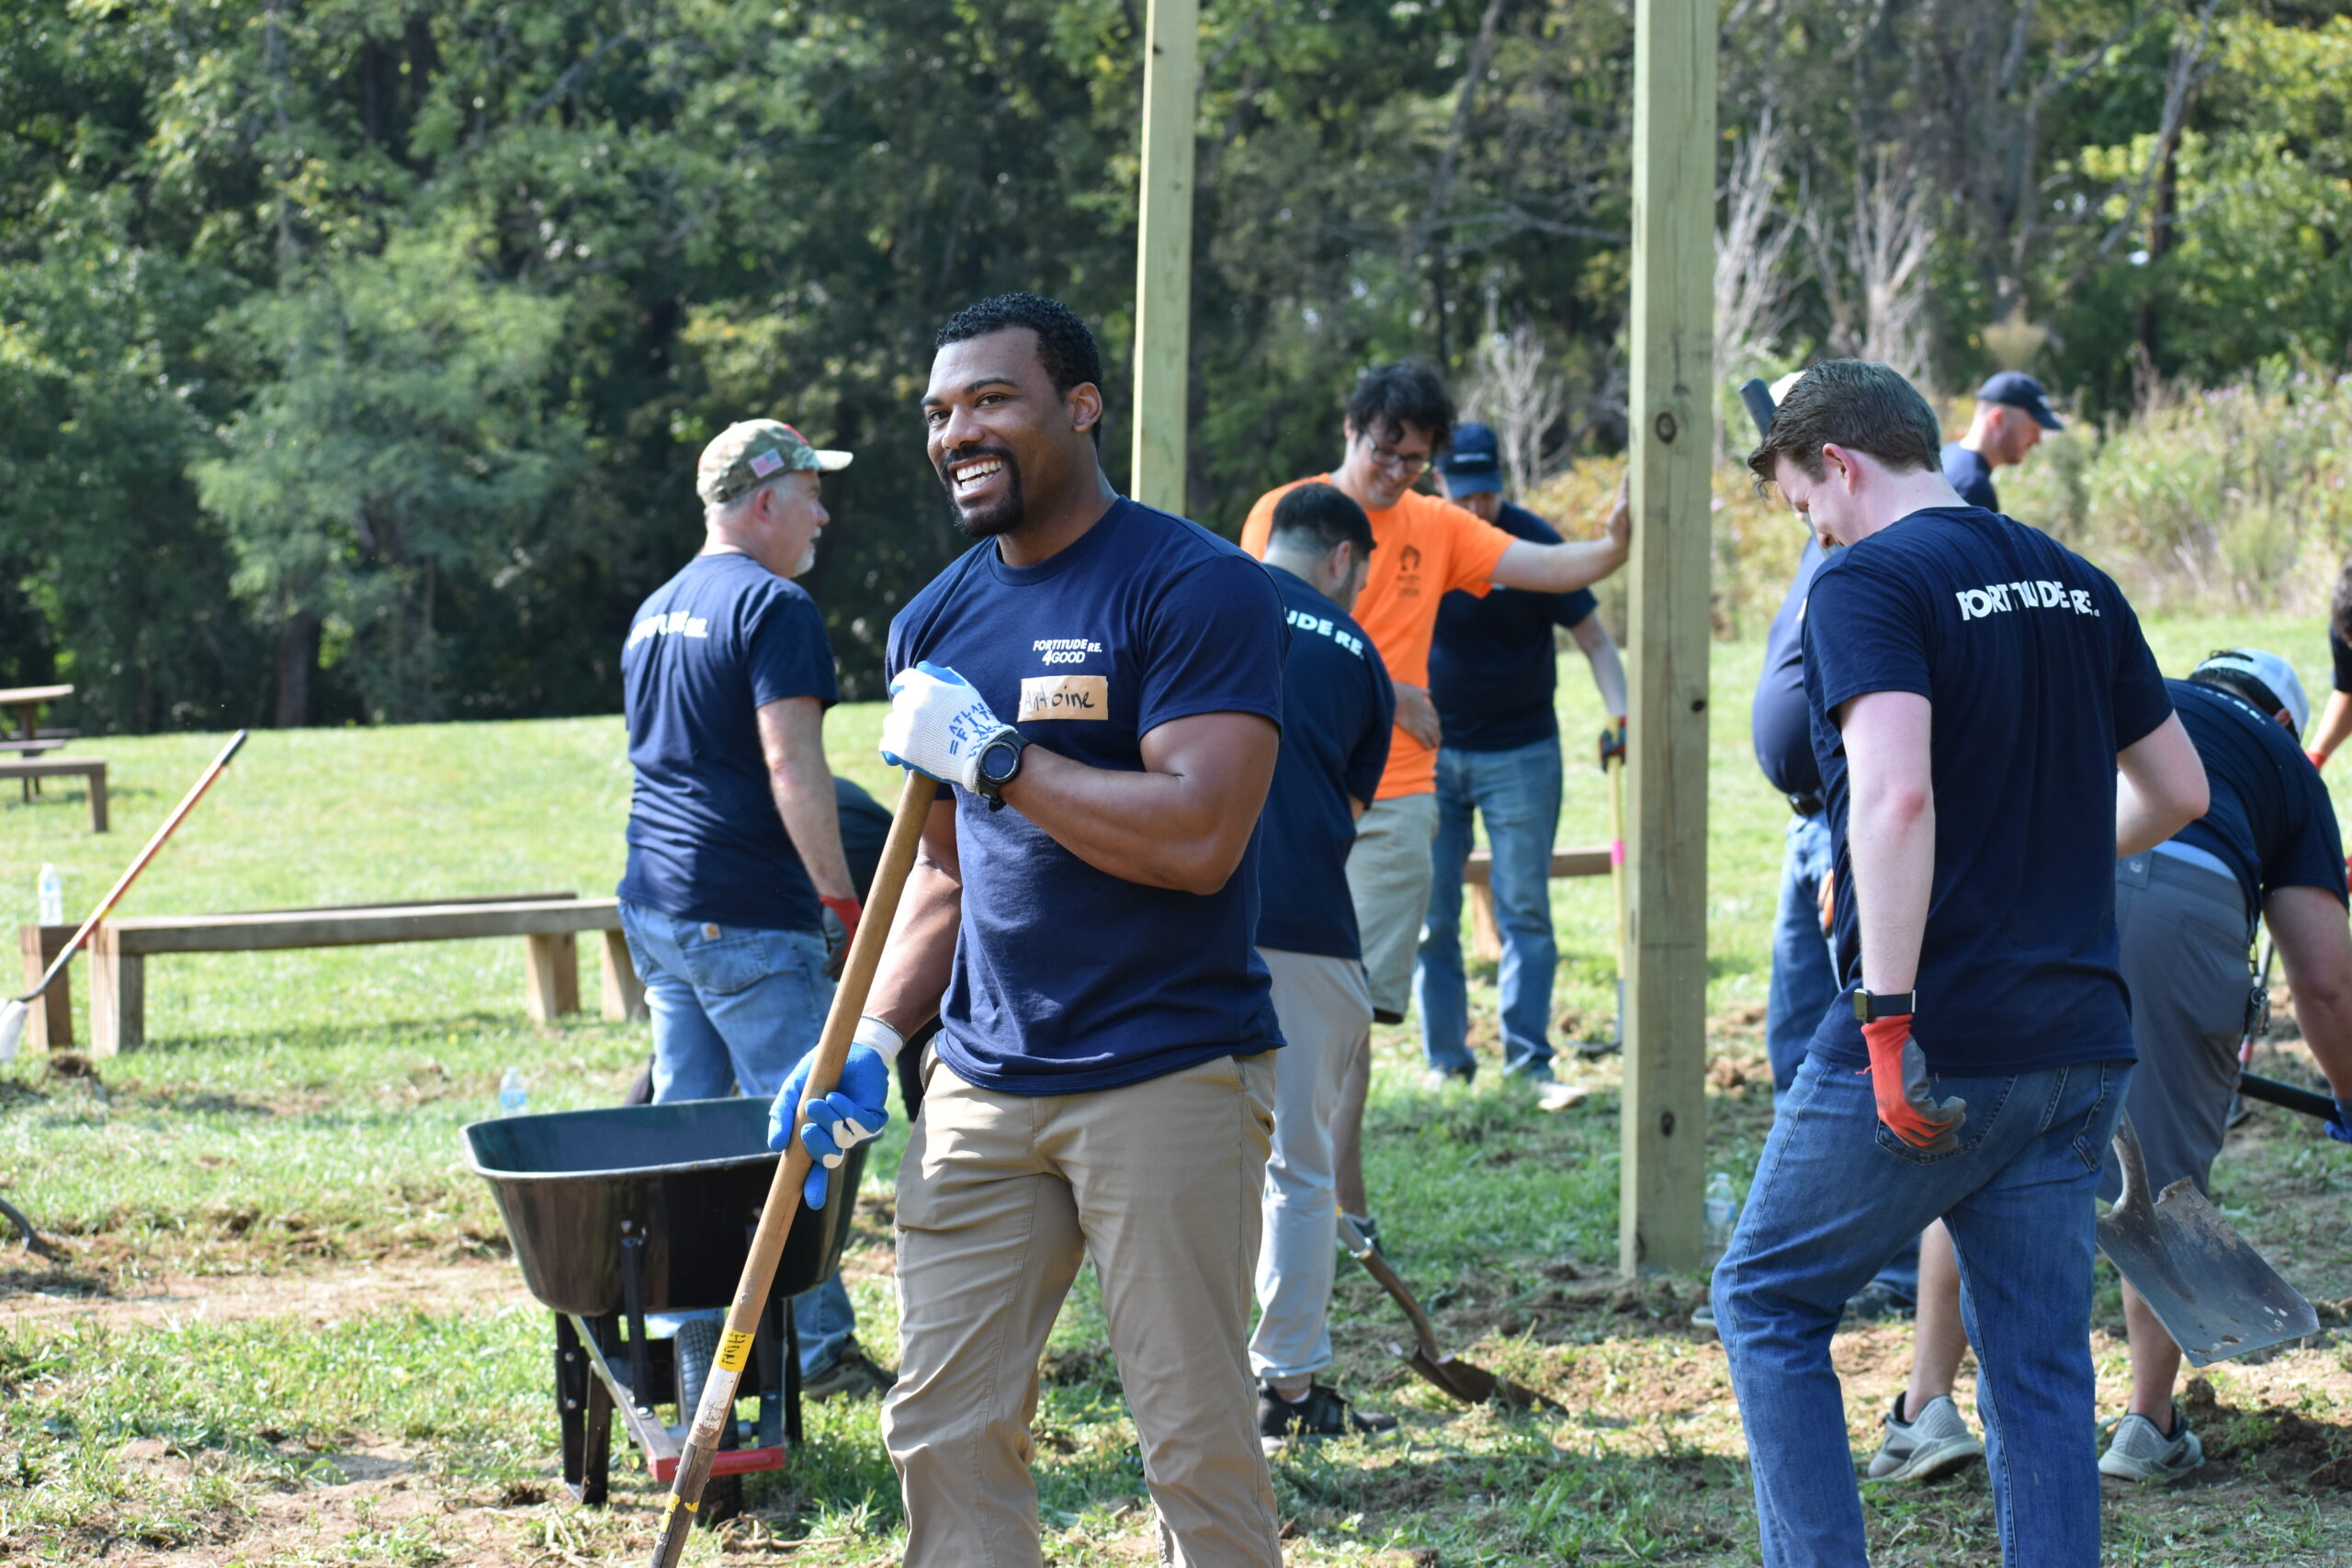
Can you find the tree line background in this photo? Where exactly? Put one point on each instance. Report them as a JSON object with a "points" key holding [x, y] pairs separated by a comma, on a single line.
{"points": [[355, 354]]}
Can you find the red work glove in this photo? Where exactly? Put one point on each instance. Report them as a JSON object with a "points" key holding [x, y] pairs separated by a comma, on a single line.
{"points": [[1906, 1104], [2319, 759], [1613, 744], [846, 911]]}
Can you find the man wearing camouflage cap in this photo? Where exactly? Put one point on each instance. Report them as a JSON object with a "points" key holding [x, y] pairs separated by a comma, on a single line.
{"points": [[734, 846]]}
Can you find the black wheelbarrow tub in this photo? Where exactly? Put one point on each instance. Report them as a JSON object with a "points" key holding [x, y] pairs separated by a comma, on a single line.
{"points": [[686, 1180]]}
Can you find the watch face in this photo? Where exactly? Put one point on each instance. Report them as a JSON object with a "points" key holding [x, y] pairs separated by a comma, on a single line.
{"points": [[996, 761]]}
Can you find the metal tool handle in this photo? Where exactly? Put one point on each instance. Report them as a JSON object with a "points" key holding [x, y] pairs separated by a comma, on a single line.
{"points": [[717, 1406], [1377, 1267], [2135, 1196], [122, 884], [2272, 1091]]}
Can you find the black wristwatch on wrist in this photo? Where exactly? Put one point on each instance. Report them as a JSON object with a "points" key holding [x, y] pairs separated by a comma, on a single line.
{"points": [[999, 764], [1897, 1004]]}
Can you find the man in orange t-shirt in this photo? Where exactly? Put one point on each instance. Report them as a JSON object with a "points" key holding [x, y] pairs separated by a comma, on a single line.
{"points": [[1399, 419]]}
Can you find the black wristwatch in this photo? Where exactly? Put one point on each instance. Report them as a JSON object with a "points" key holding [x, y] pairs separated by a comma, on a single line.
{"points": [[1871, 1008], [1000, 765]]}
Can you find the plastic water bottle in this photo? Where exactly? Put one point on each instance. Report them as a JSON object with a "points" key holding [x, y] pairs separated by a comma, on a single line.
{"points": [[52, 896], [1722, 1214], [513, 1097]]}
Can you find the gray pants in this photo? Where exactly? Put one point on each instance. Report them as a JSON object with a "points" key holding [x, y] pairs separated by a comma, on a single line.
{"points": [[2184, 931], [1326, 1015]]}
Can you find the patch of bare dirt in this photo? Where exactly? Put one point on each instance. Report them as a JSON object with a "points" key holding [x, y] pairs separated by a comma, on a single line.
{"points": [[356, 1291]]}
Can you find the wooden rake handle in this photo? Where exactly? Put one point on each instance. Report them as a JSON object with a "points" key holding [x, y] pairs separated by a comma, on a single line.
{"points": [[717, 1406]]}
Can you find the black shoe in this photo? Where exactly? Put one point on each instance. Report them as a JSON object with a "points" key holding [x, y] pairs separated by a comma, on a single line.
{"points": [[1875, 1303], [1324, 1413], [853, 1372]]}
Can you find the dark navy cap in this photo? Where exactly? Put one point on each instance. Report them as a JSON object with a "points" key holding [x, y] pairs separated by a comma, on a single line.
{"points": [[2020, 390], [1472, 464]]}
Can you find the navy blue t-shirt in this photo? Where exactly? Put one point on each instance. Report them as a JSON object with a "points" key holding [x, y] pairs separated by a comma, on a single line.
{"points": [[2038, 676], [1491, 659], [1337, 708], [1069, 979], [1779, 725], [1970, 474], [2339, 653], [2271, 822], [715, 644]]}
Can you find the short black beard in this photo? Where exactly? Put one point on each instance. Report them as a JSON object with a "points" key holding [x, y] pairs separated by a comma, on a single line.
{"points": [[1000, 518]]}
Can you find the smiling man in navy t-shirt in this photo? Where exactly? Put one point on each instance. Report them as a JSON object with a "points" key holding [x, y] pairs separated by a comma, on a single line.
{"points": [[1338, 707], [1102, 684], [1992, 732]]}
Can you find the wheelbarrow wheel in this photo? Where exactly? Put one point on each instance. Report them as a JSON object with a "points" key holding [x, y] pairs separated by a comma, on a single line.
{"points": [[696, 1350]]}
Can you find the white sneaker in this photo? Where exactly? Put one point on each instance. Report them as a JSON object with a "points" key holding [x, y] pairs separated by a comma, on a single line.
{"points": [[1935, 1443], [2138, 1452]]}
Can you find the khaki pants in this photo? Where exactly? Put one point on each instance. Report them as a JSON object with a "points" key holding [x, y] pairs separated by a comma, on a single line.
{"points": [[1000, 1195], [1388, 879]]}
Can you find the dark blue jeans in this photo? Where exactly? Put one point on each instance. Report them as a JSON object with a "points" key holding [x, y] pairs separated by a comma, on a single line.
{"points": [[1836, 1194], [1518, 792], [1805, 986]]}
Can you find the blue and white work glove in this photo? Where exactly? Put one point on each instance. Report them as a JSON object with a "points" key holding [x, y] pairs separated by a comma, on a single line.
{"points": [[2341, 1128], [939, 725], [856, 1112]]}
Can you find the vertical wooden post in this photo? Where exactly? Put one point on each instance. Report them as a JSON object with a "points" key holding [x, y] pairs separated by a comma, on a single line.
{"points": [[1164, 254], [1664, 1121]]}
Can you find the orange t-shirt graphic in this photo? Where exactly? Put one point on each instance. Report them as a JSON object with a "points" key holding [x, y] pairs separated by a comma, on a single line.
{"points": [[1422, 547]]}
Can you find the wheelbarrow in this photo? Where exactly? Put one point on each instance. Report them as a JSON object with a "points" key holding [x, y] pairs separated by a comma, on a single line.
{"points": [[639, 1209]]}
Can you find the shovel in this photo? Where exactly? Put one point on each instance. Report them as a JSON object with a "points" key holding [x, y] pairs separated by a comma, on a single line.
{"points": [[2211, 1290], [1457, 1380]]}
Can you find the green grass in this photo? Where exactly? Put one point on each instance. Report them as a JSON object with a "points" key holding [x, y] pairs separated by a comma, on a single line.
{"points": [[296, 1115]]}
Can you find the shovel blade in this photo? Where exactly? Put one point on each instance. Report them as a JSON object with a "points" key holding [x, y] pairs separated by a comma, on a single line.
{"points": [[2213, 1293]]}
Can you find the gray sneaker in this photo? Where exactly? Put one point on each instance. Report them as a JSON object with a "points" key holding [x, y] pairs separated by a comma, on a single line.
{"points": [[2138, 1452], [1935, 1443]]}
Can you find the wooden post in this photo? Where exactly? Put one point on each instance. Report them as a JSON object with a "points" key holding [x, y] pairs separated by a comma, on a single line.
{"points": [[550, 975], [49, 1025], [117, 995], [1663, 1123], [624, 993], [1164, 255]]}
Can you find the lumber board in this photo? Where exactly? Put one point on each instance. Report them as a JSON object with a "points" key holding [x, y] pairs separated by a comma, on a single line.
{"points": [[267, 931], [1164, 255], [1662, 1124]]}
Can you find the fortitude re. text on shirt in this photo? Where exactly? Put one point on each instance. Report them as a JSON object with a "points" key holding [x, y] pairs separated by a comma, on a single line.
{"points": [[2038, 676]]}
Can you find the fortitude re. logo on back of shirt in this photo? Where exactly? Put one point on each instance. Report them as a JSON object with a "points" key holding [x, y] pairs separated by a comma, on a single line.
{"points": [[2035, 593]]}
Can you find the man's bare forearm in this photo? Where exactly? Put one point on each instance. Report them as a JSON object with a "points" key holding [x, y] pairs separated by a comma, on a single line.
{"points": [[803, 788], [1182, 823], [921, 954], [1889, 832]]}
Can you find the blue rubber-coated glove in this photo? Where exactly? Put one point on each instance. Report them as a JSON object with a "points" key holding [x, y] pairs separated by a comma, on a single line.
{"points": [[2341, 1128], [939, 725], [856, 1112]]}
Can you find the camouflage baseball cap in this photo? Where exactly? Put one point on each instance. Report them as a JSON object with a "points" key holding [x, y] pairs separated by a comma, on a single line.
{"points": [[753, 451]]}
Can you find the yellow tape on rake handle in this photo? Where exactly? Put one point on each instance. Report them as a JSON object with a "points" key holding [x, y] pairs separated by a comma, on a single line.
{"points": [[717, 1406]]}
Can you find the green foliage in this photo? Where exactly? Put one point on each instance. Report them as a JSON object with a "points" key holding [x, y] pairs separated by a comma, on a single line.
{"points": [[354, 356]]}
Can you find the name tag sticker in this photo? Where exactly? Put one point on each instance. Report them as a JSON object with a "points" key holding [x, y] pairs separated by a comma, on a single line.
{"points": [[1065, 697]]}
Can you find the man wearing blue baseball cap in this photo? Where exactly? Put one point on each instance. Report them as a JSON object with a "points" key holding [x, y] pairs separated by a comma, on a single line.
{"points": [[2012, 411], [1491, 678]]}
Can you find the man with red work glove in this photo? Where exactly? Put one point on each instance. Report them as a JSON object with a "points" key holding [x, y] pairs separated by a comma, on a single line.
{"points": [[1984, 713], [735, 862]]}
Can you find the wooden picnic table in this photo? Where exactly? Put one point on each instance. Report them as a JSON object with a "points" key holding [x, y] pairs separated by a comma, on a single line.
{"points": [[27, 701], [29, 741]]}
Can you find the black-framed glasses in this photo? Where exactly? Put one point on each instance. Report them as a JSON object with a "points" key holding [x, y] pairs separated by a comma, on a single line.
{"points": [[1396, 462]]}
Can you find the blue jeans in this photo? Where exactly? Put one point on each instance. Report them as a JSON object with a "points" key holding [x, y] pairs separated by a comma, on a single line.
{"points": [[1518, 792], [1835, 1195], [736, 1007], [1805, 986]]}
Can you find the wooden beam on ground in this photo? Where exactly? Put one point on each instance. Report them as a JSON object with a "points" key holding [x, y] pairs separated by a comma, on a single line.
{"points": [[1164, 254], [1663, 1124]]}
